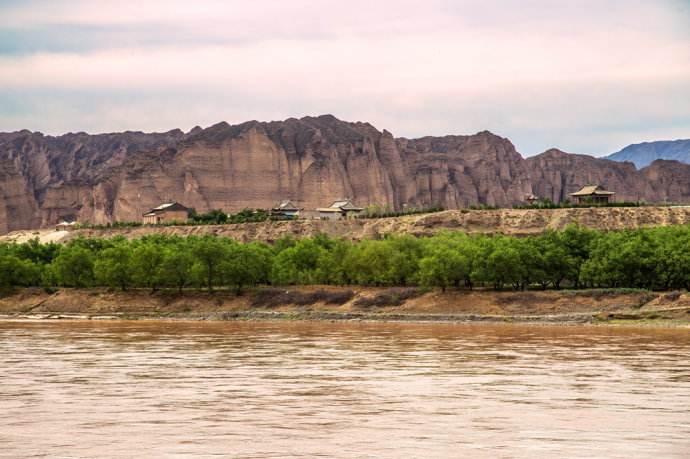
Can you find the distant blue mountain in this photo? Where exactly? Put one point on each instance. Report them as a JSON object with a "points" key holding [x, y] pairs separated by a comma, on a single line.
{"points": [[643, 154]]}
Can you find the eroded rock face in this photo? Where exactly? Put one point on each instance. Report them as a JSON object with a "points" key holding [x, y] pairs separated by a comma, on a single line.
{"points": [[554, 174], [313, 160], [669, 179]]}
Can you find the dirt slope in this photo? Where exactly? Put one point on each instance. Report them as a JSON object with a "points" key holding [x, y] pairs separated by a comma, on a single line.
{"points": [[504, 221], [356, 303]]}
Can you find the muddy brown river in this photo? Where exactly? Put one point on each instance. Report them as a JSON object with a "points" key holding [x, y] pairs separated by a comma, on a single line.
{"points": [[307, 390]]}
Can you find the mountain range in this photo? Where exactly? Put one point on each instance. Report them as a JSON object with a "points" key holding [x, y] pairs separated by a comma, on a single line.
{"points": [[116, 177], [644, 154]]}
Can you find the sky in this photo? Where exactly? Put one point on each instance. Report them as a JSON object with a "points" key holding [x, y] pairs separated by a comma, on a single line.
{"points": [[585, 76]]}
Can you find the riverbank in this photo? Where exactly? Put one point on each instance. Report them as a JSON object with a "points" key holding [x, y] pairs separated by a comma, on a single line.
{"points": [[356, 304]]}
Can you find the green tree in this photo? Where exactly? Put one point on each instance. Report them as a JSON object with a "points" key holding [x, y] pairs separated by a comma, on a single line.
{"points": [[38, 253], [532, 263], [371, 263], [330, 265], [297, 264], [283, 243], [214, 216], [443, 269], [577, 242], [672, 257], [622, 259], [17, 272], [146, 262], [176, 266], [406, 251], [209, 252], [264, 261], [245, 264], [73, 267], [113, 266], [499, 263], [447, 261]]}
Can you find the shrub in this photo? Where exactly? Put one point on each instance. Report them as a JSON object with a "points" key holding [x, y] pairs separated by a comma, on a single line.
{"points": [[673, 296], [339, 298], [274, 297], [389, 297]]}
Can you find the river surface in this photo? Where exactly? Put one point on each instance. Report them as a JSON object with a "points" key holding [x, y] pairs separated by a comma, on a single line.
{"points": [[276, 390]]}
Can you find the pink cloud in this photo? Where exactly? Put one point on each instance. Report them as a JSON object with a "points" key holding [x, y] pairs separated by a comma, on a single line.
{"points": [[537, 66]]}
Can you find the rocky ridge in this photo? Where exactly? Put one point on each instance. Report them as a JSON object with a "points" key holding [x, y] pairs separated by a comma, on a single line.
{"points": [[643, 154], [116, 177]]}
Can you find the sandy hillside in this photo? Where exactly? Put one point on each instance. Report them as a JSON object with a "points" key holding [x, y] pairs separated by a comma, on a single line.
{"points": [[519, 222]]}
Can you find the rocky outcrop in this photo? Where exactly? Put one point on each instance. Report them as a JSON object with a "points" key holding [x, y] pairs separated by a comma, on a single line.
{"points": [[669, 180], [44, 178], [117, 177], [554, 174], [458, 171]]}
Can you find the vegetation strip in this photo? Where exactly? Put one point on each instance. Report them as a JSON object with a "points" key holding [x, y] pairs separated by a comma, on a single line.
{"points": [[653, 258]]}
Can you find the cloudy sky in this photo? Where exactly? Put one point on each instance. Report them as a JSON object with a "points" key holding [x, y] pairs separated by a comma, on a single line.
{"points": [[587, 76]]}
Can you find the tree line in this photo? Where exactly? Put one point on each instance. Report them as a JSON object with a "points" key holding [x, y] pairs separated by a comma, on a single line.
{"points": [[654, 258]]}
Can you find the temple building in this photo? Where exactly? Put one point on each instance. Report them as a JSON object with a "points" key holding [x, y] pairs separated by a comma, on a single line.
{"points": [[342, 208], [166, 213], [592, 194], [286, 209]]}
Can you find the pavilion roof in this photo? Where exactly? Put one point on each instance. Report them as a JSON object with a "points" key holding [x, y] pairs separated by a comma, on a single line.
{"points": [[592, 190]]}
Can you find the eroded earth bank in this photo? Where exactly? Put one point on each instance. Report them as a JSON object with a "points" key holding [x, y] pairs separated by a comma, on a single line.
{"points": [[344, 303]]}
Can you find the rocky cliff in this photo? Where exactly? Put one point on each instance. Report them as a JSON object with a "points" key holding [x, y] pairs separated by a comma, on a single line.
{"points": [[554, 174], [111, 177], [44, 179]]}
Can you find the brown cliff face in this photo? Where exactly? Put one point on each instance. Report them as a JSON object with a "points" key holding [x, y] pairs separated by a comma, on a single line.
{"points": [[313, 160], [556, 174], [44, 178], [669, 179], [457, 171]]}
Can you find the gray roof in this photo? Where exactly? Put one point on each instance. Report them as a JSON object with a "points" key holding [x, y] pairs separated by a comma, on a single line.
{"points": [[344, 204], [168, 206], [286, 205]]}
